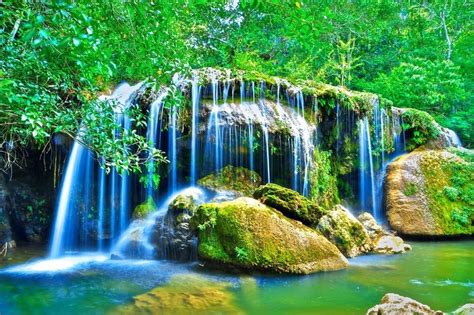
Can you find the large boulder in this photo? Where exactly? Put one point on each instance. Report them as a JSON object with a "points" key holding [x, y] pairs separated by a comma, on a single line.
{"points": [[349, 235], [395, 304], [248, 234], [431, 193], [239, 180], [290, 203]]}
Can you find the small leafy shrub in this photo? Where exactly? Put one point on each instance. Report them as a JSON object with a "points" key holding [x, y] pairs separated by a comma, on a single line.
{"points": [[410, 189], [462, 217], [451, 192], [241, 253]]}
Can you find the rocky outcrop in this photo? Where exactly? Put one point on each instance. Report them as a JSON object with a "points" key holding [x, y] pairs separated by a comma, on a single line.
{"points": [[239, 180], [430, 193], [349, 235], [383, 242], [248, 234], [290, 203], [395, 304]]}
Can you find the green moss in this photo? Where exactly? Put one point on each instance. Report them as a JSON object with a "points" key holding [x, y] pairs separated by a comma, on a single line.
{"points": [[323, 182], [145, 208], [449, 187], [249, 234], [290, 203], [410, 189], [231, 178]]}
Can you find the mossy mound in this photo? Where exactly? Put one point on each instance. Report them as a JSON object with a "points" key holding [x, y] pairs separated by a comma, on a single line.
{"points": [[232, 178], [185, 294], [431, 193], [248, 234], [290, 203], [144, 209], [345, 231]]}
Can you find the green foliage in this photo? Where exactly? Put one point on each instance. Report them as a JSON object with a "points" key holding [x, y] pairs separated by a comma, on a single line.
{"points": [[241, 253], [462, 217], [410, 189], [420, 126], [58, 56]]}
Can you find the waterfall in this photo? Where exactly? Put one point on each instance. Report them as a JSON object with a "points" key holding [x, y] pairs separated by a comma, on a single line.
{"points": [[72, 228], [172, 149], [101, 209], [267, 153], [154, 132], [366, 181], [68, 186], [194, 128]]}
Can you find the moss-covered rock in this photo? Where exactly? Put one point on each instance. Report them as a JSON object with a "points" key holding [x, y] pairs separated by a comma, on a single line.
{"points": [[431, 193], [345, 231], [231, 178], [185, 294], [248, 234], [144, 209], [290, 203]]}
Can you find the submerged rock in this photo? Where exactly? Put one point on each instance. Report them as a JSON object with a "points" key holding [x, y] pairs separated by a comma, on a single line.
{"points": [[430, 193], [185, 294], [290, 203], [345, 231], [398, 305], [240, 180], [248, 234]]}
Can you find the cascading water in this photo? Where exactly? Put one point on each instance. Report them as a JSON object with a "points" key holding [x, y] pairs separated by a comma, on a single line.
{"points": [[257, 132], [73, 225]]}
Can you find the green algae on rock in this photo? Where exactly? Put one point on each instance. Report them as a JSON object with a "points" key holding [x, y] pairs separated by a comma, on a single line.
{"points": [[440, 202], [185, 294], [248, 234], [231, 178], [145, 208], [290, 203]]}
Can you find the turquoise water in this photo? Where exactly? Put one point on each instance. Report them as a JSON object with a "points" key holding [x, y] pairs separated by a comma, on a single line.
{"points": [[439, 274]]}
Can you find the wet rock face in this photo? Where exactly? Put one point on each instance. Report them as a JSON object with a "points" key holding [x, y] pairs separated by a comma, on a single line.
{"points": [[396, 304], [5, 229], [290, 203], [247, 234], [429, 193], [345, 231]]}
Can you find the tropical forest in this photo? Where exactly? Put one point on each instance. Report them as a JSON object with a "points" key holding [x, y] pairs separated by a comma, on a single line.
{"points": [[236, 157]]}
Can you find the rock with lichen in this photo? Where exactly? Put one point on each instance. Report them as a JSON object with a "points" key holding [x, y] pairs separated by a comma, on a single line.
{"points": [[144, 209], [396, 304], [431, 193], [342, 229], [290, 203], [246, 233], [238, 180]]}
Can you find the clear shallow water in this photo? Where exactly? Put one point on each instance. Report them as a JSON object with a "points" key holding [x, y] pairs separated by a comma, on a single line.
{"points": [[438, 274]]}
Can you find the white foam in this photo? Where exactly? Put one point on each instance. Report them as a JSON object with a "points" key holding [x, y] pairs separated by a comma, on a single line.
{"points": [[61, 264]]}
